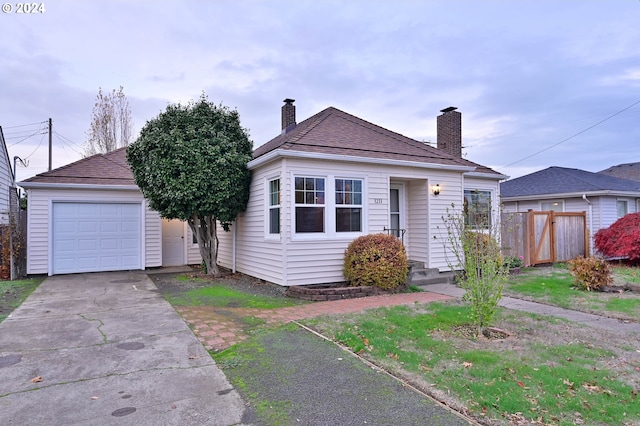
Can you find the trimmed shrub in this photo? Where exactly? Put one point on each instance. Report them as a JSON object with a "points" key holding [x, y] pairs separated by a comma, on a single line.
{"points": [[622, 239], [376, 260], [590, 273]]}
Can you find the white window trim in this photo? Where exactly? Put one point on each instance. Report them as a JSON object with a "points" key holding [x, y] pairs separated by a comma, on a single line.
{"points": [[495, 218], [267, 208], [330, 205]]}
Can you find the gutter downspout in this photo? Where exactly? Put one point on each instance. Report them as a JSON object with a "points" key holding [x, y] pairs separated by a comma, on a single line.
{"points": [[584, 197], [233, 249]]}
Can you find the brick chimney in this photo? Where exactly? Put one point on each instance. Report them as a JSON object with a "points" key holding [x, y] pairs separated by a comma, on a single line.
{"points": [[450, 131], [288, 115]]}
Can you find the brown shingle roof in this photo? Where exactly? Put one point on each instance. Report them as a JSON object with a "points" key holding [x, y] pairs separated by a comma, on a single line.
{"points": [[332, 131], [101, 169], [630, 171]]}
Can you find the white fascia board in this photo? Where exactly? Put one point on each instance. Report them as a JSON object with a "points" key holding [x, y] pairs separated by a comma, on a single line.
{"points": [[486, 175], [45, 185], [628, 194], [270, 156]]}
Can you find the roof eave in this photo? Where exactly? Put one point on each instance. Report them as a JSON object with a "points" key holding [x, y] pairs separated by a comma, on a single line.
{"points": [[496, 176], [282, 153], [571, 195], [52, 185]]}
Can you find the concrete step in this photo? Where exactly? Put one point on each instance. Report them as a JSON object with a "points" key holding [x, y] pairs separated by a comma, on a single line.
{"points": [[423, 276]]}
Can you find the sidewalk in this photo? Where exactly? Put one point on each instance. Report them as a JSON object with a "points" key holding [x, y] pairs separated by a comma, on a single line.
{"points": [[596, 321]]}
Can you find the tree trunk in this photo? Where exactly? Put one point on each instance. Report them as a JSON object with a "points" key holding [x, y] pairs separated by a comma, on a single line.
{"points": [[206, 233]]}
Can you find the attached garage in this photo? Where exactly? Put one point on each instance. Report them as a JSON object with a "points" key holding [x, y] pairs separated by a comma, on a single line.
{"points": [[90, 216], [93, 237]]}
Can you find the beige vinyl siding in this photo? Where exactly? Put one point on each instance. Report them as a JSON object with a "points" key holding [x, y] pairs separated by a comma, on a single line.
{"points": [[256, 254], [440, 253], [152, 237], [417, 241], [38, 218]]}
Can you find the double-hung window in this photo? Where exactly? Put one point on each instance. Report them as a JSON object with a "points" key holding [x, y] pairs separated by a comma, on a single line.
{"points": [[274, 206], [477, 209], [309, 204], [348, 205]]}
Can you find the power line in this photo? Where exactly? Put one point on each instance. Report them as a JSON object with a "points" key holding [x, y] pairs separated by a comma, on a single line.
{"points": [[34, 151], [23, 125], [67, 142], [39, 131], [571, 137]]}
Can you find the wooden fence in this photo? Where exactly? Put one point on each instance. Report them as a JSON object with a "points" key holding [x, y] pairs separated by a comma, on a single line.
{"points": [[544, 237]]}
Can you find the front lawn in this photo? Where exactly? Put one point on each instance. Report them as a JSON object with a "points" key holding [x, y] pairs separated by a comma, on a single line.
{"points": [[13, 293], [555, 286], [548, 371]]}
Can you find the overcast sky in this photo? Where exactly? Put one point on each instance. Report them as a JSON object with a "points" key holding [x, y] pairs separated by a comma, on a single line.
{"points": [[525, 75]]}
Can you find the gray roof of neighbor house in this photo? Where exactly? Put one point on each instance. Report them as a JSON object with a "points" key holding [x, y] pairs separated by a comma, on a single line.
{"points": [[100, 169], [336, 132], [630, 171], [561, 180]]}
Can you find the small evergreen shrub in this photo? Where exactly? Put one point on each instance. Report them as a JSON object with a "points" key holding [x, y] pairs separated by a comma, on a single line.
{"points": [[376, 260], [621, 239], [513, 262], [590, 273]]}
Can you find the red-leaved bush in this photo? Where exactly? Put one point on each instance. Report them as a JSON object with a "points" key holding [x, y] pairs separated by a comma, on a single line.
{"points": [[622, 239]]}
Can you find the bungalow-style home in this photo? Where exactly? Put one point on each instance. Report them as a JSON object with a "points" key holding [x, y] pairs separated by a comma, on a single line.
{"points": [[333, 177], [604, 198], [315, 187]]}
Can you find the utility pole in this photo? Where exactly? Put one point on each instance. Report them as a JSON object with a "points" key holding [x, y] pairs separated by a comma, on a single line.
{"points": [[50, 143]]}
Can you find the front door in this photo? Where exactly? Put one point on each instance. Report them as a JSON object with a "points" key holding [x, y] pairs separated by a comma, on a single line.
{"points": [[172, 242], [396, 210]]}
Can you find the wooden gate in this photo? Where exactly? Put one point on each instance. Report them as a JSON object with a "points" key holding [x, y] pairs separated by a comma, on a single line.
{"points": [[544, 237]]}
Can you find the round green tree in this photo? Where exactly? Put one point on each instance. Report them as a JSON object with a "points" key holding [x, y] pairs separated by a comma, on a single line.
{"points": [[190, 163]]}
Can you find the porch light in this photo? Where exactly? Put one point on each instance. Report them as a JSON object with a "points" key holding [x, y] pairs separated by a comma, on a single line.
{"points": [[436, 189]]}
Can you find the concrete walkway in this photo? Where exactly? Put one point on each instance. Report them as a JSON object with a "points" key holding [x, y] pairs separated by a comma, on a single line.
{"points": [[591, 320], [106, 348]]}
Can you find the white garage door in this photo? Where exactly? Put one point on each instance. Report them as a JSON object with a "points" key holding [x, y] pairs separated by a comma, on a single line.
{"points": [[92, 237]]}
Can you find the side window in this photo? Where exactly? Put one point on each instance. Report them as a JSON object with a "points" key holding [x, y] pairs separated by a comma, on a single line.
{"points": [[477, 209], [274, 206], [309, 204], [348, 205], [623, 208], [556, 206]]}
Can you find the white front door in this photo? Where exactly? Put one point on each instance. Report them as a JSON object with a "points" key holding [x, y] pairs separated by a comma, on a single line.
{"points": [[172, 242], [396, 210]]}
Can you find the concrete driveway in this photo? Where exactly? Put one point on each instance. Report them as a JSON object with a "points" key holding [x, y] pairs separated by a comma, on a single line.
{"points": [[106, 348]]}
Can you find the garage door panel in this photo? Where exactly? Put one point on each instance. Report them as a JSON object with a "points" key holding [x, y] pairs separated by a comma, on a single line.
{"points": [[87, 227], [91, 237], [86, 244], [109, 226]]}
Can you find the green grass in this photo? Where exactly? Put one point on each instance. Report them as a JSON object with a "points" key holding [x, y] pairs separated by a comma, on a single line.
{"points": [[13, 293], [242, 364], [219, 295], [627, 274], [551, 382], [556, 286]]}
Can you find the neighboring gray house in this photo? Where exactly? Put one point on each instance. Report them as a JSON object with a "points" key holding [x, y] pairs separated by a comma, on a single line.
{"points": [[630, 171], [6, 182], [604, 198]]}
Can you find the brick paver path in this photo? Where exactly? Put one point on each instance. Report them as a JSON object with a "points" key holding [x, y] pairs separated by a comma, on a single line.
{"points": [[219, 328]]}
